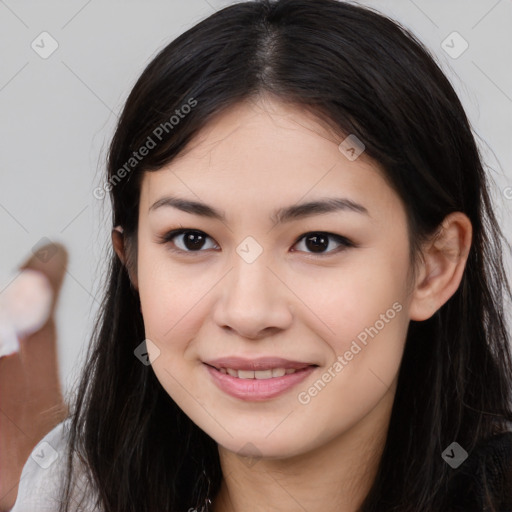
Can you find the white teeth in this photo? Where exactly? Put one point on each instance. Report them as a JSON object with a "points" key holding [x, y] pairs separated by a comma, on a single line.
{"points": [[257, 374], [278, 372], [263, 374]]}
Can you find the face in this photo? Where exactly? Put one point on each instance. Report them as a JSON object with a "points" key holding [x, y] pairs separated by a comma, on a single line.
{"points": [[324, 288]]}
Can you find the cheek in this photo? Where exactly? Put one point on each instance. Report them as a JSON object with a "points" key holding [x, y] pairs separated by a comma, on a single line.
{"points": [[360, 312], [369, 326], [342, 302], [172, 310], [165, 294]]}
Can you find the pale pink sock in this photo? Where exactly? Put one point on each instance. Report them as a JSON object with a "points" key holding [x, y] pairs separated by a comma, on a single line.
{"points": [[24, 308]]}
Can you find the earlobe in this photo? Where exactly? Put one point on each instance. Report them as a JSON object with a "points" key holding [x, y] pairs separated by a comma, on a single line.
{"points": [[442, 268], [118, 242], [125, 254]]}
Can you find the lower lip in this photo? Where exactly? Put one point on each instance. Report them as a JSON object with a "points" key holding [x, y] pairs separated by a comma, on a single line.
{"points": [[257, 390]]}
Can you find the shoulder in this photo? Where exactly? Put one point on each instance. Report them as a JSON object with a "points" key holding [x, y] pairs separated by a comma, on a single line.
{"points": [[44, 473], [486, 475]]}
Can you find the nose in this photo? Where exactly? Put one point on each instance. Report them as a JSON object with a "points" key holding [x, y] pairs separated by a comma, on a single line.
{"points": [[253, 301]]}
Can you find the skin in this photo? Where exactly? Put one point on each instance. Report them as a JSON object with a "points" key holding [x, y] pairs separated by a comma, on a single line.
{"points": [[31, 401], [290, 302]]}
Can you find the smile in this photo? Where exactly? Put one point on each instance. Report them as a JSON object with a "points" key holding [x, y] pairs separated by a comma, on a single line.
{"points": [[258, 374], [258, 385]]}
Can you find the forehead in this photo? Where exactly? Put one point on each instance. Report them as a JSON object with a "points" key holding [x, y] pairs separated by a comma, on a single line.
{"points": [[259, 154]]}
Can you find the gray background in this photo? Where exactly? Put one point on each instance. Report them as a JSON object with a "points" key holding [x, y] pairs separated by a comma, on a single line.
{"points": [[58, 115]]}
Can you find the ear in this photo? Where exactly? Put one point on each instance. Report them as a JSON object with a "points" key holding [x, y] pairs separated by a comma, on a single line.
{"points": [[442, 266], [118, 241]]}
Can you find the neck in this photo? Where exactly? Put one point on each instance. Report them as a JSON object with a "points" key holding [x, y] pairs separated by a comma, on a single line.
{"points": [[334, 477]]}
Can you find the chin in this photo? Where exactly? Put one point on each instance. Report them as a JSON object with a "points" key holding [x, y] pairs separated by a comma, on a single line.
{"points": [[257, 447]]}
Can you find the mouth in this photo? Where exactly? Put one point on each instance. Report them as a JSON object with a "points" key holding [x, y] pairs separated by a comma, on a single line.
{"points": [[264, 374], [257, 379], [257, 367]]}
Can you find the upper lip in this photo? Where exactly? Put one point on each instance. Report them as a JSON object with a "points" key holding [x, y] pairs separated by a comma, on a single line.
{"points": [[259, 363]]}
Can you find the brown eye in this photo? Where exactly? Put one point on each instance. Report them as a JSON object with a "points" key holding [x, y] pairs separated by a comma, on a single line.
{"points": [[319, 242], [187, 240]]}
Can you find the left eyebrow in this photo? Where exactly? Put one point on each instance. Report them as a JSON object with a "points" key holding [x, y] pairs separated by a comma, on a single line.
{"points": [[326, 205], [279, 216]]}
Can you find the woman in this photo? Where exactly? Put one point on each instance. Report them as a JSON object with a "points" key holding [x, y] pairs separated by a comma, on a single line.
{"points": [[306, 290]]}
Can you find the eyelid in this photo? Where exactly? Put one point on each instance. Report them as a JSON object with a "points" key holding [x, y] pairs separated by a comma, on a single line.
{"points": [[168, 236], [343, 241]]}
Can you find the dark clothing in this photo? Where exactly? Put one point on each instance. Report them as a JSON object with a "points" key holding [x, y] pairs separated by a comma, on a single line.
{"points": [[484, 477]]}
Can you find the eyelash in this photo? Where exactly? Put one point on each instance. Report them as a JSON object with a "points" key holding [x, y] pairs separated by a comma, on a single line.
{"points": [[344, 242]]}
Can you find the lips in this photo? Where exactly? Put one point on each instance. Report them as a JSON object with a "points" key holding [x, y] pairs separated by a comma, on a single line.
{"points": [[258, 378], [257, 389]]}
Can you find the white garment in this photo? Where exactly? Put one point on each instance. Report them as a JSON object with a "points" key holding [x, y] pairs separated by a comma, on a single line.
{"points": [[43, 474]]}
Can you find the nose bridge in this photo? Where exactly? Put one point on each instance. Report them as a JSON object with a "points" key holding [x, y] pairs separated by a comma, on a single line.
{"points": [[250, 280], [252, 299]]}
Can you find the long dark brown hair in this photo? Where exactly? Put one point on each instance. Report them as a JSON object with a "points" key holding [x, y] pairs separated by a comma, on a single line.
{"points": [[363, 74]]}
